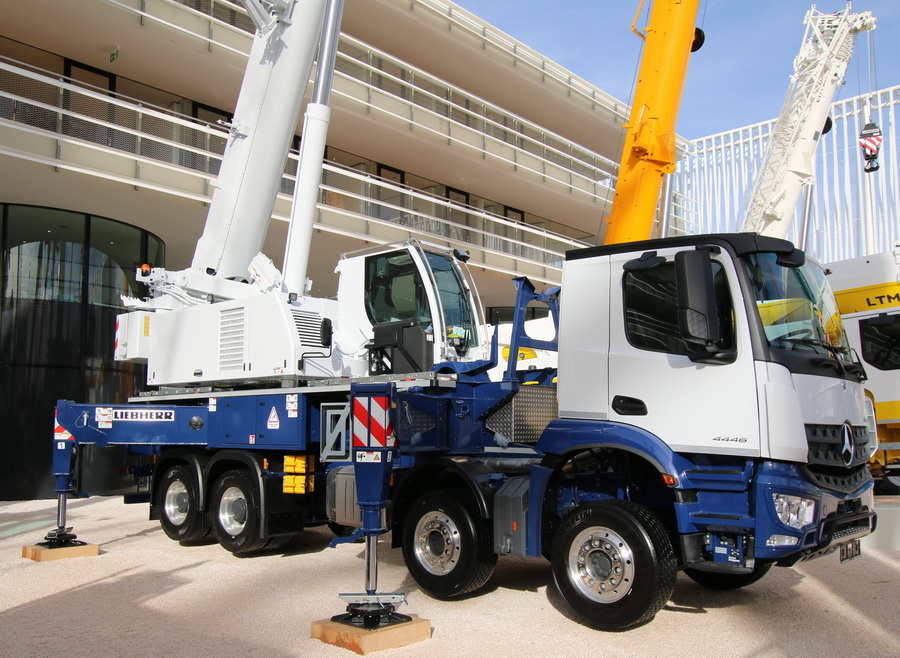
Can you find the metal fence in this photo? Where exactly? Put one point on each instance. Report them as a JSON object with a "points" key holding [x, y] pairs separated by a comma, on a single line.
{"points": [[851, 213]]}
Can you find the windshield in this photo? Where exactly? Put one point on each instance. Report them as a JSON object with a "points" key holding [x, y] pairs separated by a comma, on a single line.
{"points": [[459, 316], [796, 306]]}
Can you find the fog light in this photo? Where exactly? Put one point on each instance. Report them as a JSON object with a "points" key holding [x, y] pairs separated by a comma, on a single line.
{"points": [[782, 540], [794, 511]]}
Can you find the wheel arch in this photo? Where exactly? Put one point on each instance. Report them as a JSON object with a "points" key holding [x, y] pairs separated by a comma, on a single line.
{"points": [[442, 474], [635, 460], [567, 437]]}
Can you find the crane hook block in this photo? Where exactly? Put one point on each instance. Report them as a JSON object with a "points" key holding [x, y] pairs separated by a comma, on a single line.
{"points": [[870, 142]]}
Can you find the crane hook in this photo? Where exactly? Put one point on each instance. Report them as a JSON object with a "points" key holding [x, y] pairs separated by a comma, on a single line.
{"points": [[870, 142]]}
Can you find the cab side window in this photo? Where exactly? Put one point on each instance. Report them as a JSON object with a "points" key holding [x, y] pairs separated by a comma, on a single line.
{"points": [[651, 310], [881, 342], [394, 289]]}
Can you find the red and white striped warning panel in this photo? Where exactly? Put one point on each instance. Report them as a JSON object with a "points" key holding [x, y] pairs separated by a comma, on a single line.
{"points": [[372, 423], [59, 432]]}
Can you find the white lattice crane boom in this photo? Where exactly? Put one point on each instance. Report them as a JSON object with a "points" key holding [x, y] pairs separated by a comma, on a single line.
{"points": [[788, 163]]}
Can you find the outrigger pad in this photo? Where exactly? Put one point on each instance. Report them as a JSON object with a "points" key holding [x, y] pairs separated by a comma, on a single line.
{"points": [[43, 552], [362, 641]]}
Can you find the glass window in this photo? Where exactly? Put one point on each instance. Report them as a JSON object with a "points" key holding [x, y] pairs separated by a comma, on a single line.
{"points": [[651, 310], [394, 289], [459, 316], [881, 341], [45, 254], [796, 305], [115, 254]]}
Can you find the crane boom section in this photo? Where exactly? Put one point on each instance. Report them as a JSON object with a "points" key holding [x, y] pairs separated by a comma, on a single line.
{"points": [[265, 120], [649, 150], [788, 163]]}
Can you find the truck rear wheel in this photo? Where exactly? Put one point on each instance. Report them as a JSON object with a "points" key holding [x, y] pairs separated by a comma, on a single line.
{"points": [[234, 509], [178, 501], [725, 581], [447, 546], [613, 563]]}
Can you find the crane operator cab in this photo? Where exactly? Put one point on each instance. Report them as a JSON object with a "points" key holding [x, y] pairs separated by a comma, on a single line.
{"points": [[419, 307]]}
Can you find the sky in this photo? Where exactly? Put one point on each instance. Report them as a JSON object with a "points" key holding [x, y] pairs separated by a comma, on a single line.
{"points": [[739, 77]]}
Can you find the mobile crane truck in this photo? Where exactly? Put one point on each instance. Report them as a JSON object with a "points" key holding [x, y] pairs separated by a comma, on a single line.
{"points": [[693, 423]]}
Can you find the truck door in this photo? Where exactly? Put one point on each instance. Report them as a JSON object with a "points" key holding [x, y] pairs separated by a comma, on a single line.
{"points": [[660, 382]]}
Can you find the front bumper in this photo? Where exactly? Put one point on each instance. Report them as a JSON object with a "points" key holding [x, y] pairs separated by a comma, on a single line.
{"points": [[839, 517]]}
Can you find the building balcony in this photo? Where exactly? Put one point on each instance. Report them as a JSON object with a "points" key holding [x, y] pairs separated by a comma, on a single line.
{"points": [[60, 125]]}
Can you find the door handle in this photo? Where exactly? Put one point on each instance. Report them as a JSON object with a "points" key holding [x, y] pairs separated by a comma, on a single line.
{"points": [[626, 406]]}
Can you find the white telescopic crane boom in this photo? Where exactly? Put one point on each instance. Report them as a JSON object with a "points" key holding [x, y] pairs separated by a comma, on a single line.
{"points": [[265, 120], [312, 152], [788, 163]]}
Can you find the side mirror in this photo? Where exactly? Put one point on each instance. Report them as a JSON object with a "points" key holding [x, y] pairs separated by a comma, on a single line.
{"points": [[697, 316], [325, 332]]}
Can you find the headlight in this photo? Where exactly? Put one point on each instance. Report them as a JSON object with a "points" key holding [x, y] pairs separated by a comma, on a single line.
{"points": [[782, 540], [871, 427], [794, 511]]}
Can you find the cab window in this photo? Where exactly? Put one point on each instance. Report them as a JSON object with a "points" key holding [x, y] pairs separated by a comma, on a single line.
{"points": [[651, 310], [880, 337], [394, 289]]}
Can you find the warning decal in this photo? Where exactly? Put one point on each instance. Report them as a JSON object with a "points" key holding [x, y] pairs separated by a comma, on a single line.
{"points": [[273, 423], [371, 423], [291, 404]]}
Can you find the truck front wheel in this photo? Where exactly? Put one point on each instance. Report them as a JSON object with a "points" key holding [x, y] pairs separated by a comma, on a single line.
{"points": [[447, 546], [235, 512], [613, 562], [178, 502]]}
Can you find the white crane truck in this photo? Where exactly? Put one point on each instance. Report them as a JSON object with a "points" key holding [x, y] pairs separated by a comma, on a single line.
{"points": [[699, 418]]}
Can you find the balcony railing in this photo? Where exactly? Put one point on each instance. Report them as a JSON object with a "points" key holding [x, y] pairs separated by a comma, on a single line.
{"points": [[222, 23], [57, 122]]}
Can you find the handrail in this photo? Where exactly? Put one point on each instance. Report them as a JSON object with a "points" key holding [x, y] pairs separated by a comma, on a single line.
{"points": [[18, 111], [522, 53], [588, 159], [604, 183]]}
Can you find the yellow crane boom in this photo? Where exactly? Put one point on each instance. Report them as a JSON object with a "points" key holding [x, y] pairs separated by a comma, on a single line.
{"points": [[649, 149]]}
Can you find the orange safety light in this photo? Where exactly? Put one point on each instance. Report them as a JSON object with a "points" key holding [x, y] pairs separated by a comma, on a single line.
{"points": [[145, 269], [670, 480]]}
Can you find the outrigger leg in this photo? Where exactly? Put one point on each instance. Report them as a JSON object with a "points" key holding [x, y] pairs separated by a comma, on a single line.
{"points": [[61, 536], [60, 542], [63, 464], [374, 447]]}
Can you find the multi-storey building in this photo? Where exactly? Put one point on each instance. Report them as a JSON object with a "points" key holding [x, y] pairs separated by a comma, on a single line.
{"points": [[443, 129]]}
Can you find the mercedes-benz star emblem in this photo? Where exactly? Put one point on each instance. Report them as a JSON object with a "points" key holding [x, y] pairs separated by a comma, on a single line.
{"points": [[847, 449]]}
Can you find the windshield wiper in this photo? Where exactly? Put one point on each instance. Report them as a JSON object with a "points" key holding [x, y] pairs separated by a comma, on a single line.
{"points": [[834, 350], [835, 362]]}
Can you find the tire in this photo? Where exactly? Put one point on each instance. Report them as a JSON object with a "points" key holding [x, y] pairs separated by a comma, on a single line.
{"points": [[178, 501], [889, 485], [613, 562], [447, 546], [234, 510], [725, 581], [279, 542]]}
